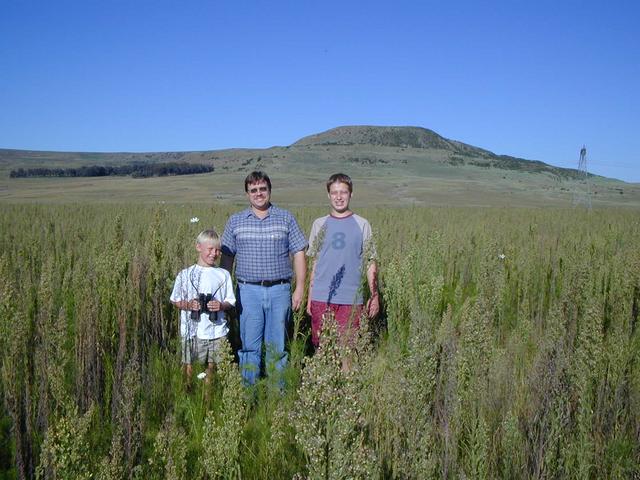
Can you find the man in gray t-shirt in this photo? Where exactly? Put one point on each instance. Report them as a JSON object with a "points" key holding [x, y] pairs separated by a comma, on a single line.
{"points": [[342, 248]]}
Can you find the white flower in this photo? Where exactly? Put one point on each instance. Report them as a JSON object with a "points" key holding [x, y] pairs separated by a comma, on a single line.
{"points": [[502, 256], [195, 220], [202, 375]]}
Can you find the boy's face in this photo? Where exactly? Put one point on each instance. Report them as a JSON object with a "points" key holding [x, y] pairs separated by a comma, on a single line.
{"points": [[339, 197], [208, 253]]}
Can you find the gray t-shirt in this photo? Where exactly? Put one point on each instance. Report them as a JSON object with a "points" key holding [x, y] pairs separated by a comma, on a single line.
{"points": [[341, 246]]}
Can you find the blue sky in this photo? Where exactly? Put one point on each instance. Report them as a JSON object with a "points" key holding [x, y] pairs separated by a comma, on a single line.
{"points": [[535, 80]]}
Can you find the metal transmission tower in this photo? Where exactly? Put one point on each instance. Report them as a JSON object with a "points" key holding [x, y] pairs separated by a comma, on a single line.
{"points": [[582, 192]]}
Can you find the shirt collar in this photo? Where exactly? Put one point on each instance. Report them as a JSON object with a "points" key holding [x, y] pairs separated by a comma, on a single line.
{"points": [[271, 210]]}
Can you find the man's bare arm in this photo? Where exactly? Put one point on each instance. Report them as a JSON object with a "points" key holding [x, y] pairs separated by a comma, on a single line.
{"points": [[300, 270]]}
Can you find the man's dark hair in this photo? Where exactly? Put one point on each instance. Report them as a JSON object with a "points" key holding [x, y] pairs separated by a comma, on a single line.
{"points": [[340, 178], [255, 177]]}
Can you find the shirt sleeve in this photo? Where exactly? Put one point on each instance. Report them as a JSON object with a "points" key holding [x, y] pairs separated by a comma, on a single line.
{"points": [[180, 289], [368, 244], [297, 240], [228, 294], [315, 237], [228, 238]]}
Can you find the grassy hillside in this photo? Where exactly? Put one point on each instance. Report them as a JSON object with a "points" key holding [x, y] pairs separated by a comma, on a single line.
{"points": [[390, 165]]}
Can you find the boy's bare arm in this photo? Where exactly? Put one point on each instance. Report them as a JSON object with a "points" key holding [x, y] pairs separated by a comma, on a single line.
{"points": [[313, 269], [373, 304], [216, 306], [192, 304]]}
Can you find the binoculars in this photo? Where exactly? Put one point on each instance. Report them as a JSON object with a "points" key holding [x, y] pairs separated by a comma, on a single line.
{"points": [[203, 299]]}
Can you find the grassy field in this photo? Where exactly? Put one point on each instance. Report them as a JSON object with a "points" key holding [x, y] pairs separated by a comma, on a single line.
{"points": [[307, 189], [384, 175], [508, 346]]}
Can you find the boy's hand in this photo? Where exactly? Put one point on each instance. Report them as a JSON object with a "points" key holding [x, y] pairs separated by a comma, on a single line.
{"points": [[194, 304], [214, 306], [373, 306]]}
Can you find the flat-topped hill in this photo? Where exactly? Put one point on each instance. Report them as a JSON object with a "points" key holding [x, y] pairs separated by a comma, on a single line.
{"points": [[395, 165], [404, 137]]}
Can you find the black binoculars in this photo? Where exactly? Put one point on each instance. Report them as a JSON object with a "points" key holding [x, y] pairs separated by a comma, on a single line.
{"points": [[203, 299]]}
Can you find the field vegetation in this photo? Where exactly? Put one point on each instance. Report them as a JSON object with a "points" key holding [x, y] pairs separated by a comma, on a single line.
{"points": [[508, 347], [138, 170]]}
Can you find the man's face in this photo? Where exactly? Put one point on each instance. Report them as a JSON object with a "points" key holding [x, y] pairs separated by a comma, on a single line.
{"points": [[208, 253], [259, 195], [339, 197]]}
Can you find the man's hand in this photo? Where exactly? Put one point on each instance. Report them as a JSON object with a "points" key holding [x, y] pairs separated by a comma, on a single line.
{"points": [[300, 269], [296, 298]]}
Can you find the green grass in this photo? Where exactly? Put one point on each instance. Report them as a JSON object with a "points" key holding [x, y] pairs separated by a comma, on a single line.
{"points": [[508, 347], [474, 188], [384, 175]]}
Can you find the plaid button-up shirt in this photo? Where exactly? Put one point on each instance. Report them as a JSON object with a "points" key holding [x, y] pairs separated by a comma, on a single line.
{"points": [[262, 246]]}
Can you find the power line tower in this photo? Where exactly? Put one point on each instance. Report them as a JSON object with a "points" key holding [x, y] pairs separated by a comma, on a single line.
{"points": [[582, 192]]}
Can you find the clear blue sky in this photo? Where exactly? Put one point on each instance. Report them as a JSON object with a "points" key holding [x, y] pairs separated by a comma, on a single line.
{"points": [[532, 79]]}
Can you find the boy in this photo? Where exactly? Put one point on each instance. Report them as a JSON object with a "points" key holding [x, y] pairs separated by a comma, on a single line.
{"points": [[342, 249], [203, 292]]}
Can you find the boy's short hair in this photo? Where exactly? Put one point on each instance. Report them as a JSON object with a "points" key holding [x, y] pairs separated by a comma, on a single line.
{"points": [[340, 178], [255, 177], [209, 235]]}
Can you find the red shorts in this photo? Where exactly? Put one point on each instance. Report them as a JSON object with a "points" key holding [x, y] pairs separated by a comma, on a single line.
{"points": [[347, 318]]}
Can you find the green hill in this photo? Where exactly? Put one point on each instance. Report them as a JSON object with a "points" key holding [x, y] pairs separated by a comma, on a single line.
{"points": [[390, 166]]}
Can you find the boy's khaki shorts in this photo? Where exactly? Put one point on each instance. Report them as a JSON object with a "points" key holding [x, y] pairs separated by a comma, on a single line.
{"points": [[203, 350]]}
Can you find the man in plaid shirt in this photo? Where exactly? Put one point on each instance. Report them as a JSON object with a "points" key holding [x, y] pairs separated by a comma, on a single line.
{"points": [[263, 240]]}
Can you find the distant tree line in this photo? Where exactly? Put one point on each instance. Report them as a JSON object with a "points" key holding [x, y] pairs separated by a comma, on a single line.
{"points": [[136, 170]]}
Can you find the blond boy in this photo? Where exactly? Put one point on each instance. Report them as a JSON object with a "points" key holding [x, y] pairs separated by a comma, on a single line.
{"points": [[203, 292]]}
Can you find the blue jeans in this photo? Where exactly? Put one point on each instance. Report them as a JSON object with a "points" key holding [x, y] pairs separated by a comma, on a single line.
{"points": [[264, 315]]}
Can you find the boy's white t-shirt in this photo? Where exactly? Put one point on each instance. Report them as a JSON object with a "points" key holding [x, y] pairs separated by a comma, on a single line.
{"points": [[195, 280]]}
